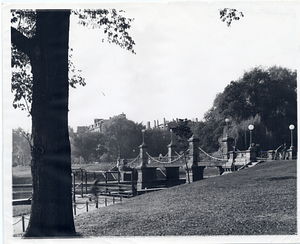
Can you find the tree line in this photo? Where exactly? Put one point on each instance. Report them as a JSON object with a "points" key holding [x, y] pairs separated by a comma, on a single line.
{"points": [[120, 138], [266, 98]]}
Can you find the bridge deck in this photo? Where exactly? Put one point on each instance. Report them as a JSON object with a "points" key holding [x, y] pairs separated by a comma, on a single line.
{"points": [[212, 163], [180, 164]]}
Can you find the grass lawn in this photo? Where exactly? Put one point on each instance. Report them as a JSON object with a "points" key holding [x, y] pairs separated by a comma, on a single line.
{"points": [[257, 201]]}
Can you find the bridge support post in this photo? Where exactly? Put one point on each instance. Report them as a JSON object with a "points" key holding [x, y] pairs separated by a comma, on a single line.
{"points": [[251, 154], [124, 170], [143, 155], [292, 153], [227, 146], [196, 173], [146, 176], [193, 171], [271, 154], [171, 153], [172, 176], [194, 150]]}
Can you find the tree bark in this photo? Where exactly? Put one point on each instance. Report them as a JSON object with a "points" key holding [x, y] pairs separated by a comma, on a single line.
{"points": [[51, 209]]}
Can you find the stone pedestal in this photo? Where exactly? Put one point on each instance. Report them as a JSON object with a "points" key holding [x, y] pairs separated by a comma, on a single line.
{"points": [[172, 176], [171, 152], [195, 173], [227, 146], [194, 150], [251, 154], [292, 153], [124, 170], [143, 155], [146, 177], [271, 155]]}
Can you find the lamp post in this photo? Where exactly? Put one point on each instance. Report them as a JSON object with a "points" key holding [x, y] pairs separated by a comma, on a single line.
{"points": [[292, 127], [251, 127]]}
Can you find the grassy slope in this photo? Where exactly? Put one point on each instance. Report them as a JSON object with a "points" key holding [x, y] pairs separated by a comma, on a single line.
{"points": [[259, 200]]}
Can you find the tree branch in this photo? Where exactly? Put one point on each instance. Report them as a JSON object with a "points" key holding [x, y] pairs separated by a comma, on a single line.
{"points": [[22, 43]]}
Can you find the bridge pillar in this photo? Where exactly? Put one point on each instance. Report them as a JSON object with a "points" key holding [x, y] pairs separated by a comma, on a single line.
{"points": [[146, 177], [292, 153], [227, 146], [143, 155], [193, 171], [194, 150], [196, 173], [172, 176], [251, 154], [271, 154], [123, 170], [171, 152]]}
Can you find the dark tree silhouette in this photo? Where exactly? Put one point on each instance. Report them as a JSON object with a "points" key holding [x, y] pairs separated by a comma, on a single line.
{"points": [[44, 39], [183, 133]]}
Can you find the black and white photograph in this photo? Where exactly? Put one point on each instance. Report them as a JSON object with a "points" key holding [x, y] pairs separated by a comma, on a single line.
{"points": [[150, 121]]}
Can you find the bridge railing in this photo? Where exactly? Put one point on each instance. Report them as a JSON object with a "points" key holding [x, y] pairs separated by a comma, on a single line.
{"points": [[133, 162], [264, 155], [172, 159], [215, 156]]}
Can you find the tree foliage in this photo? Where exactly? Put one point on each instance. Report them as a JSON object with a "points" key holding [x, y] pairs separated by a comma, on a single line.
{"points": [[123, 136], [266, 98], [115, 27], [119, 138], [183, 133], [157, 141], [90, 146], [227, 15]]}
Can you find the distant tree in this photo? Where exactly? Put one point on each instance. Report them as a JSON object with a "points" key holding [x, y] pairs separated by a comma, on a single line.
{"points": [[123, 136], [157, 141], [88, 144], [41, 38], [21, 147], [208, 140], [183, 133]]}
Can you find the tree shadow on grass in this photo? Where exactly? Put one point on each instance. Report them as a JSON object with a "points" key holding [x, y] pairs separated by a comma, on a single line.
{"points": [[282, 178]]}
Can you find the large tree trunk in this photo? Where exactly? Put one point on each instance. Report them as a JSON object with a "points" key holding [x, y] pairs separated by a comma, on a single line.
{"points": [[51, 209]]}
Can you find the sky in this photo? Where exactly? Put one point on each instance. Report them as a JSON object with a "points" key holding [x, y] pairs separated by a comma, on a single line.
{"points": [[185, 55]]}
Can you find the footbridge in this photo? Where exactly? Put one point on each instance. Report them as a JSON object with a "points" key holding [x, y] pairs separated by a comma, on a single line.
{"points": [[191, 162], [176, 168]]}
